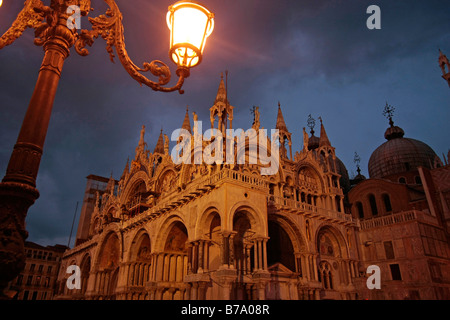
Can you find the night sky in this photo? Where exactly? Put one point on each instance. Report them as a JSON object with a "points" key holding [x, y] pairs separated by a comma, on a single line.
{"points": [[313, 56]]}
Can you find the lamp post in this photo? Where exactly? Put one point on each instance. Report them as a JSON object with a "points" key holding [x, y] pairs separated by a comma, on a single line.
{"points": [[55, 32]]}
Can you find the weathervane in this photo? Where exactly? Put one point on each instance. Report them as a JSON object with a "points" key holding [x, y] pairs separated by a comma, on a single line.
{"points": [[311, 123], [388, 112]]}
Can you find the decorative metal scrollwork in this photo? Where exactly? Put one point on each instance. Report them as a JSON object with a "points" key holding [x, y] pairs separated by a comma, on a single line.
{"points": [[109, 26]]}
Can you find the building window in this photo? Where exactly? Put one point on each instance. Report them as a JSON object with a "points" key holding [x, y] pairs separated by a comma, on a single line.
{"points": [[25, 295], [40, 268], [389, 250], [49, 270], [373, 204], [325, 275], [395, 272], [19, 280], [32, 267], [402, 180], [387, 202], [34, 295], [417, 180], [29, 279], [47, 282], [360, 208]]}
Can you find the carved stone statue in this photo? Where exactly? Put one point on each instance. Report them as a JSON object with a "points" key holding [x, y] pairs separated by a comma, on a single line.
{"points": [[166, 144], [305, 139]]}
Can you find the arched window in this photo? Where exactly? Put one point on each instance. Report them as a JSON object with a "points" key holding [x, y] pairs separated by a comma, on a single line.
{"points": [[373, 204], [325, 275], [360, 209], [387, 202], [417, 180], [402, 180]]}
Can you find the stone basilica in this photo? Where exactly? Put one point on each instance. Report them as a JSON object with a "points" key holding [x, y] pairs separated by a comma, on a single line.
{"points": [[197, 231]]}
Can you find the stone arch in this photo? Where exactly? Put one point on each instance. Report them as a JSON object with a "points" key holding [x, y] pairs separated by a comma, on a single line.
{"points": [[280, 247], [172, 257], [339, 248], [166, 181], [296, 236], [209, 231], [313, 173], [112, 212], [108, 262], [109, 254], [332, 253], [257, 221], [85, 267], [140, 247], [139, 262], [133, 181], [165, 229], [204, 220]]}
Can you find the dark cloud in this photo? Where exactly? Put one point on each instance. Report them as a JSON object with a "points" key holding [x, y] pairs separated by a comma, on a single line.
{"points": [[315, 57]]}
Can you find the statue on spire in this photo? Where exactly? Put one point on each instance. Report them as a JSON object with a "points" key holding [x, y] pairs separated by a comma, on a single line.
{"points": [[443, 64], [311, 124], [140, 149], [357, 160], [305, 140], [141, 139], [255, 112]]}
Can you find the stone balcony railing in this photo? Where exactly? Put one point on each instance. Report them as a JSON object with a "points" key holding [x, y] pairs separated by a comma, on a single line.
{"points": [[309, 210], [401, 217]]}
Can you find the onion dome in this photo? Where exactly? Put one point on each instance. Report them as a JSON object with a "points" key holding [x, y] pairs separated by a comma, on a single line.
{"points": [[399, 154]]}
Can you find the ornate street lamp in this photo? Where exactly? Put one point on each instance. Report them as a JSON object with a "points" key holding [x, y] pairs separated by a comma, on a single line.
{"points": [[55, 30]]}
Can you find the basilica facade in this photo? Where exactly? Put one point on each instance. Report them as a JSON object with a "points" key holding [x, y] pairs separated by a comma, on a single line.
{"points": [[195, 230]]}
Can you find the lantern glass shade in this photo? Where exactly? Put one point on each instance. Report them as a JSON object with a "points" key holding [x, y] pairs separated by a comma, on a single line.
{"points": [[190, 24]]}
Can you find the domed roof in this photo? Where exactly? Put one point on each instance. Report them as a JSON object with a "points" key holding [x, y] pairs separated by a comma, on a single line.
{"points": [[344, 181], [313, 142], [400, 154]]}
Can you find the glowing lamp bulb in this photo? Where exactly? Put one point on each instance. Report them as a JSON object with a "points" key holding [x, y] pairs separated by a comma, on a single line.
{"points": [[190, 24]]}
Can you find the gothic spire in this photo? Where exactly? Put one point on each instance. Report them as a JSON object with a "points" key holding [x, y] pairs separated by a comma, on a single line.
{"points": [[187, 123], [160, 144], [221, 92], [281, 125], [126, 170], [323, 140]]}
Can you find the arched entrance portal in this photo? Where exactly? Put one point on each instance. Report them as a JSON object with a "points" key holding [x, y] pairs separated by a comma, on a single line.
{"points": [[172, 263], [108, 268]]}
